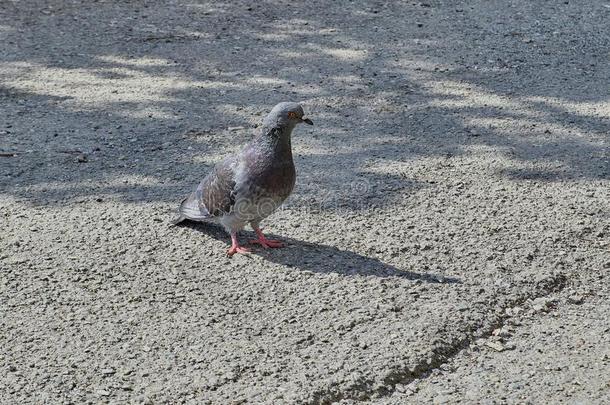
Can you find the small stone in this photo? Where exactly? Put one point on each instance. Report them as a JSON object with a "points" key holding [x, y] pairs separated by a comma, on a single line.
{"points": [[509, 346], [82, 158], [541, 304], [502, 332], [103, 393], [497, 346], [513, 311], [538, 307], [480, 342], [575, 299]]}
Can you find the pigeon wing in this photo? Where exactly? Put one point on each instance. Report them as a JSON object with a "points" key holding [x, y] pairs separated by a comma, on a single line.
{"points": [[213, 197]]}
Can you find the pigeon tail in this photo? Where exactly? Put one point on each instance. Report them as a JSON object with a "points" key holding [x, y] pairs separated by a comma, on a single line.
{"points": [[190, 209]]}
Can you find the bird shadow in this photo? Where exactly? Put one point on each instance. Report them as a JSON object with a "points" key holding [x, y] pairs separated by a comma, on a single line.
{"points": [[320, 258]]}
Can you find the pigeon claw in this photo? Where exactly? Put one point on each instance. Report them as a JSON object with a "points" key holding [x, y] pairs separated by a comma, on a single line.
{"points": [[268, 243], [237, 249]]}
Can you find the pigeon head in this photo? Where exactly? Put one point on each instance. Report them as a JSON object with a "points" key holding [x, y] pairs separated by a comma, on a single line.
{"points": [[286, 115]]}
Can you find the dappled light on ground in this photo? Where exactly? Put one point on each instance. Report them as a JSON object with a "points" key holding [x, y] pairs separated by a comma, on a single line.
{"points": [[457, 168]]}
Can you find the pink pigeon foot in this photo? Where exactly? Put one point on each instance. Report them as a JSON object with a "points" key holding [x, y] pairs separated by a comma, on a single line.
{"points": [[266, 243], [235, 247]]}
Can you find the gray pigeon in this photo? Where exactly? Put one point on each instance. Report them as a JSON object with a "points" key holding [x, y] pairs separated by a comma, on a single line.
{"points": [[247, 187]]}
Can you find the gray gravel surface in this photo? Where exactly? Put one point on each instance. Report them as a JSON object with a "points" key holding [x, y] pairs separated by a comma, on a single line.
{"points": [[551, 350], [459, 168]]}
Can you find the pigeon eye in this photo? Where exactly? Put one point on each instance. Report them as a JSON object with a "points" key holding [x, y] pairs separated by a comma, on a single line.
{"points": [[292, 114]]}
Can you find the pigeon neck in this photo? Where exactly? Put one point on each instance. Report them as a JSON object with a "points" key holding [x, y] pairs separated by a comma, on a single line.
{"points": [[276, 132], [278, 137]]}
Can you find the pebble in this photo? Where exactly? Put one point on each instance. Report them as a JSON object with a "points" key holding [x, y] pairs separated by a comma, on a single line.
{"points": [[541, 304], [513, 311], [576, 299], [497, 346], [504, 331]]}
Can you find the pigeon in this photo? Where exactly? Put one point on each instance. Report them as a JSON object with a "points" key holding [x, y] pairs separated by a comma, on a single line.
{"points": [[247, 187]]}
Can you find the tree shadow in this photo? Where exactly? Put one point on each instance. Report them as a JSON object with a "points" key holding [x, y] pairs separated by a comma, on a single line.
{"points": [[320, 258], [417, 97]]}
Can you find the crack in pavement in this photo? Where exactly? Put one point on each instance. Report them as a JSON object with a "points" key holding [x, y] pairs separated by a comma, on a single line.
{"points": [[367, 388]]}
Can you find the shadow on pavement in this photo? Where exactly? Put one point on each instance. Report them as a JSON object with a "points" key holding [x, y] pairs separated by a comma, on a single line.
{"points": [[320, 258]]}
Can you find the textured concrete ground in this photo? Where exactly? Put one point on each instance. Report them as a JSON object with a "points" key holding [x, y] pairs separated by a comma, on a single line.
{"points": [[554, 350], [456, 183]]}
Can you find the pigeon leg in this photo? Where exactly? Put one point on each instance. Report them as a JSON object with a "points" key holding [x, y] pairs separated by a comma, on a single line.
{"points": [[235, 248], [264, 242]]}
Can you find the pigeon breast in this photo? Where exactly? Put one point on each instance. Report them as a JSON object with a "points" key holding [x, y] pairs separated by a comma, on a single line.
{"points": [[265, 176]]}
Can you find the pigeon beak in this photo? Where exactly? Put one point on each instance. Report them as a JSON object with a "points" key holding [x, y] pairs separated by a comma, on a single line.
{"points": [[307, 121]]}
